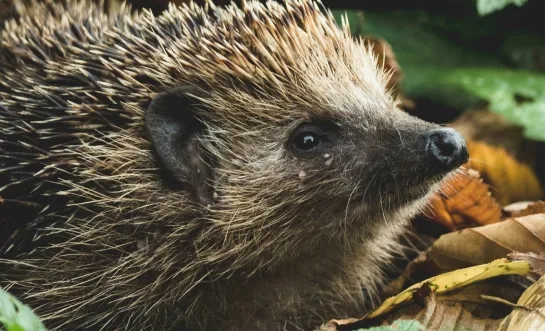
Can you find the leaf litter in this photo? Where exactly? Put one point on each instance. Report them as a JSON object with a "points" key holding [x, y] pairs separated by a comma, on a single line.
{"points": [[488, 220]]}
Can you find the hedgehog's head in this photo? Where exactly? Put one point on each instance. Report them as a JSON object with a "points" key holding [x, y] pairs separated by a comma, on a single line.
{"points": [[293, 129]]}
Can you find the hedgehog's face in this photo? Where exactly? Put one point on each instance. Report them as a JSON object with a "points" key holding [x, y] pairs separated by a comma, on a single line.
{"points": [[251, 162], [371, 164], [299, 135]]}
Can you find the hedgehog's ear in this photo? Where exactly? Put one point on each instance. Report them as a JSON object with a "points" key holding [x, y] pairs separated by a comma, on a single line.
{"points": [[175, 130]]}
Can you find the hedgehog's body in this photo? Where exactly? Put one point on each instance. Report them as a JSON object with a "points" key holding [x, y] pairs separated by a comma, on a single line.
{"points": [[241, 216]]}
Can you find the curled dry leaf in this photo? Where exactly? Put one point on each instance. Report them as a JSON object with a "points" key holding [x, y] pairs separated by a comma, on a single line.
{"points": [[531, 209], [509, 179], [483, 244], [464, 200], [536, 260], [529, 312], [511, 209]]}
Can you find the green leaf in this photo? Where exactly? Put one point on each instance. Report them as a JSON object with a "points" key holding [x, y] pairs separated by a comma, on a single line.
{"points": [[16, 316], [448, 73], [485, 7], [525, 50], [417, 48], [519, 96], [400, 325]]}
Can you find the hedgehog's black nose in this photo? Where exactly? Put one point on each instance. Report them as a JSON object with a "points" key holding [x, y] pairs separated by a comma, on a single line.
{"points": [[446, 149]]}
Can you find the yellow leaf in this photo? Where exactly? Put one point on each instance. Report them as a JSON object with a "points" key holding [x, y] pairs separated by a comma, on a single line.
{"points": [[454, 280], [509, 179]]}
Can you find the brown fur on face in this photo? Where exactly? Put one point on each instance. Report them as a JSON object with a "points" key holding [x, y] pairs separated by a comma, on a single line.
{"points": [[96, 234]]}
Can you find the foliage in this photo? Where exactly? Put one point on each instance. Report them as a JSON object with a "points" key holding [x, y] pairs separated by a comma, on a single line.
{"points": [[16, 316], [485, 7], [449, 73], [519, 96]]}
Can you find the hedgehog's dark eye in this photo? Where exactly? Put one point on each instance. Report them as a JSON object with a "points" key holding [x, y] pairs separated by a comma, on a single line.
{"points": [[306, 141]]}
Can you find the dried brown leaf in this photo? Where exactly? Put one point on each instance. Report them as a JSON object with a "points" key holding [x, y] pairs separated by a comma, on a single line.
{"points": [[509, 179], [462, 310], [486, 243], [531, 209], [529, 313], [536, 260], [511, 209], [464, 201], [453, 316]]}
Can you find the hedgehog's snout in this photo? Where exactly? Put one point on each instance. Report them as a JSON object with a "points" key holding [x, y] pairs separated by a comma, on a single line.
{"points": [[446, 149]]}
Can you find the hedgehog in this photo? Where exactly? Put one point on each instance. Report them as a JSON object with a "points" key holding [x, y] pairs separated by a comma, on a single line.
{"points": [[206, 168]]}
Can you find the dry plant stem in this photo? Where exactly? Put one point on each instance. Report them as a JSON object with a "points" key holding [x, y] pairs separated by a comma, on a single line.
{"points": [[505, 302], [508, 303], [454, 280]]}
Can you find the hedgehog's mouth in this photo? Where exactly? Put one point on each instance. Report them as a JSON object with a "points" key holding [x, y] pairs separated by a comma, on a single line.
{"points": [[398, 196], [417, 192]]}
